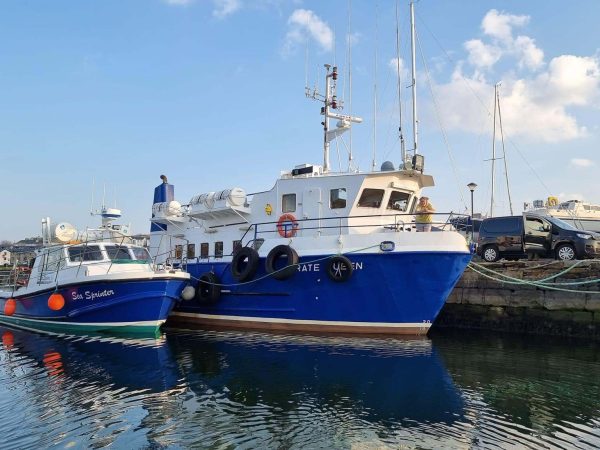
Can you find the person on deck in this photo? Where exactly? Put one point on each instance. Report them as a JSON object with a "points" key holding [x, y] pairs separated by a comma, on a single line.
{"points": [[423, 214]]}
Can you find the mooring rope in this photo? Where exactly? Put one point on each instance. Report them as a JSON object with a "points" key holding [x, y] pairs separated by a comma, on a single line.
{"points": [[540, 283]]}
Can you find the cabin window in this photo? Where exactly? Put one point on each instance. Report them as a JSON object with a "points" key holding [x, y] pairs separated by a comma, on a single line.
{"points": [[178, 251], [413, 205], [237, 245], [398, 201], [219, 249], [141, 254], [371, 198], [288, 203], [191, 251], [337, 198], [117, 252], [87, 253], [53, 259], [204, 250]]}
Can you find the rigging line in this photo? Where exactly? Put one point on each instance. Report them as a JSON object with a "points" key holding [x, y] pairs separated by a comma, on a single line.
{"points": [[529, 165], [504, 153], [439, 118]]}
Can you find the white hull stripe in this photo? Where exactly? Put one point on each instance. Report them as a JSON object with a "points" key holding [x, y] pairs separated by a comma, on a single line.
{"points": [[302, 322], [86, 324]]}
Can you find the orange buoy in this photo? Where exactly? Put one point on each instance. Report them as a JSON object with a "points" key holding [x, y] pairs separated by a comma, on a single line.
{"points": [[56, 302], [10, 307]]}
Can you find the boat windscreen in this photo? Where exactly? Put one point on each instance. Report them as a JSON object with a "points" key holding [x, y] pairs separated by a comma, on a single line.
{"points": [[118, 253], [85, 253], [141, 254]]}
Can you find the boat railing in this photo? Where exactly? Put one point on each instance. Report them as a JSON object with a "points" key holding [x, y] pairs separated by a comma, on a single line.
{"points": [[345, 224]]}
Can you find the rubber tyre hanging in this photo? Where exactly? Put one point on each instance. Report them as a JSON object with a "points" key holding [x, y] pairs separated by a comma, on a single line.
{"points": [[273, 264], [339, 268], [244, 264], [209, 288]]}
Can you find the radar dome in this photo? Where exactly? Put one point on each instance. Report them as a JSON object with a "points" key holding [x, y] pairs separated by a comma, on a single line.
{"points": [[65, 232], [387, 166]]}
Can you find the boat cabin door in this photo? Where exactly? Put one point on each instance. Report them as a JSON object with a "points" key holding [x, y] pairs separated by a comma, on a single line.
{"points": [[312, 206]]}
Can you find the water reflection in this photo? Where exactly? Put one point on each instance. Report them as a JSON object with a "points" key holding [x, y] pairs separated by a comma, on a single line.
{"points": [[535, 391], [209, 389]]}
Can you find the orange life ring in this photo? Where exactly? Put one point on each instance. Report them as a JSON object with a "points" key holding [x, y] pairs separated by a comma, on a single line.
{"points": [[287, 225]]}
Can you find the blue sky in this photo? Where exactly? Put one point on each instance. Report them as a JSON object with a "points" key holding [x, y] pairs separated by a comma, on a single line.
{"points": [[211, 93]]}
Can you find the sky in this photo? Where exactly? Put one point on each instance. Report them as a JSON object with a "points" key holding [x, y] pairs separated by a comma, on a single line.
{"points": [[98, 99]]}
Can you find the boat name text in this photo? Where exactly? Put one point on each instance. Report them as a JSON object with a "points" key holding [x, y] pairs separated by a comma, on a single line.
{"points": [[92, 295], [316, 267]]}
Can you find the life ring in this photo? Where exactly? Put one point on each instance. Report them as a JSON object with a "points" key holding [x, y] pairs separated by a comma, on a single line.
{"points": [[273, 265], [287, 225], [209, 288], [244, 264], [339, 268]]}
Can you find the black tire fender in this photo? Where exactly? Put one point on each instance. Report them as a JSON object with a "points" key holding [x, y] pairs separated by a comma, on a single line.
{"points": [[339, 268], [244, 264], [209, 288], [291, 262]]}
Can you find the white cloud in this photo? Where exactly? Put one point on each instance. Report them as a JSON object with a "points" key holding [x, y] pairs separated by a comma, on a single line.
{"points": [[399, 67], [535, 102], [581, 162], [530, 56], [499, 25], [303, 23], [224, 8], [482, 55]]}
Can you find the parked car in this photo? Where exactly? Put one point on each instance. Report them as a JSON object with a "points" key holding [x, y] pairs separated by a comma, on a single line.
{"points": [[515, 237]]}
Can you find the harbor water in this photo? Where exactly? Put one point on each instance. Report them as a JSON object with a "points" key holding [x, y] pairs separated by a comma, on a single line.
{"points": [[223, 389]]}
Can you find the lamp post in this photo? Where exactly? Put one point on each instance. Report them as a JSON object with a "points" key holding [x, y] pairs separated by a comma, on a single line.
{"points": [[472, 187]]}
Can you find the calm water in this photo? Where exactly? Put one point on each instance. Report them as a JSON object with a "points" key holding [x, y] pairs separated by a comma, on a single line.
{"points": [[193, 389]]}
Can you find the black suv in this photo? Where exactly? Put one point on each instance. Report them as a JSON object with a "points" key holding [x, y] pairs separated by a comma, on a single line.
{"points": [[515, 237]]}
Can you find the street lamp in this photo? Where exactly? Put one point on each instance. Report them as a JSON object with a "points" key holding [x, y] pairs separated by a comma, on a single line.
{"points": [[472, 187]]}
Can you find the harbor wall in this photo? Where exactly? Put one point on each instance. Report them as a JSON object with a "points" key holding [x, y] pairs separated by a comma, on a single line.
{"points": [[565, 305]]}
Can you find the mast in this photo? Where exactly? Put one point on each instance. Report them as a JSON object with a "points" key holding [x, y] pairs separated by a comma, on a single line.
{"points": [[330, 103], [400, 134], [414, 75], [494, 151]]}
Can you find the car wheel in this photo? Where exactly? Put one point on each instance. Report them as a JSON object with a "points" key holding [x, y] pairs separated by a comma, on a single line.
{"points": [[565, 252], [491, 254]]}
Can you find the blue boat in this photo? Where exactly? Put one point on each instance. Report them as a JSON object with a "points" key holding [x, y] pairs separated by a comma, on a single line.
{"points": [[320, 251], [92, 286]]}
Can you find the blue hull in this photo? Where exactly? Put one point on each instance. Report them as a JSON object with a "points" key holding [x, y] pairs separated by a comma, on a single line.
{"points": [[387, 293], [128, 306]]}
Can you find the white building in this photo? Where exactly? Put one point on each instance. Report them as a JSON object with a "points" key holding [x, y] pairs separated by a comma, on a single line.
{"points": [[5, 257]]}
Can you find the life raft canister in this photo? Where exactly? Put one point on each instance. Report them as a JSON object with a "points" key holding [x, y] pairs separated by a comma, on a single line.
{"points": [[287, 225], [273, 264], [339, 268], [244, 264], [209, 288]]}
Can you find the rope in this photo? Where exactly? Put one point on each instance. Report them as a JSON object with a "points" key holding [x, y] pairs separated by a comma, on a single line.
{"points": [[541, 283]]}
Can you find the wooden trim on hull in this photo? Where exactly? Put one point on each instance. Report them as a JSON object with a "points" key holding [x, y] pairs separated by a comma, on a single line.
{"points": [[250, 323]]}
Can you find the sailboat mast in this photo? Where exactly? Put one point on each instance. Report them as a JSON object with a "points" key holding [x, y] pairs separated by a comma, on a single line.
{"points": [[414, 75], [494, 152]]}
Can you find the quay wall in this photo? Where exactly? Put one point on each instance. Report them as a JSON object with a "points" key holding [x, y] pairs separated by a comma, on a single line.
{"points": [[561, 305]]}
